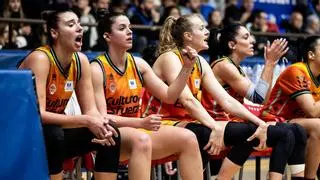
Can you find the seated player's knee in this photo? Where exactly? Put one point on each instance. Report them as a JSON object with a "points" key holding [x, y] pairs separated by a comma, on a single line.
{"points": [[289, 140], [142, 143], [299, 133], [189, 138]]}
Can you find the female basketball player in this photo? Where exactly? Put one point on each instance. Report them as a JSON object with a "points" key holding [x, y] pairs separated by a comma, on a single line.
{"points": [[118, 79]]}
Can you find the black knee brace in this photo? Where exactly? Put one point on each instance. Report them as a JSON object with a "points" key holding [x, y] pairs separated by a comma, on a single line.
{"points": [[107, 159], [203, 134], [282, 142], [300, 135]]}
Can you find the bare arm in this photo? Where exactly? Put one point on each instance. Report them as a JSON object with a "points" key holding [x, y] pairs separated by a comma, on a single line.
{"points": [[39, 63], [229, 74], [85, 95], [227, 102], [272, 54], [308, 105], [158, 88], [167, 67]]}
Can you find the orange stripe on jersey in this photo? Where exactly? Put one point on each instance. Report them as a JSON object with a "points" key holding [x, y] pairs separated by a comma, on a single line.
{"points": [[211, 105], [296, 80], [60, 84], [122, 89], [152, 105]]}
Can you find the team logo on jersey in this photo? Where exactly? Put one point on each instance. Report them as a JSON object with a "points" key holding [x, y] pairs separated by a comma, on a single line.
{"points": [[68, 87], [112, 84], [112, 87], [52, 89], [197, 83], [132, 84]]}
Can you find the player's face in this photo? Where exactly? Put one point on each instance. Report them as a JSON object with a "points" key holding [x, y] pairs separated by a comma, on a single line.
{"points": [[69, 32], [121, 34], [316, 53], [243, 43], [200, 34]]}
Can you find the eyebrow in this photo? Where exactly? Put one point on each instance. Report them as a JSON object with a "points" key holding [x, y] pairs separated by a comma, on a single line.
{"points": [[71, 20]]}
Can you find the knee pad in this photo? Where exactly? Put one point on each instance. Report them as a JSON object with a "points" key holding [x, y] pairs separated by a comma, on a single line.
{"points": [[202, 133], [299, 133]]}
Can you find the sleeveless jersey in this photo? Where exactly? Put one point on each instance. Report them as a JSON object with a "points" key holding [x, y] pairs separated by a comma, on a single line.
{"points": [[60, 84], [296, 80], [211, 105], [152, 105], [122, 89]]}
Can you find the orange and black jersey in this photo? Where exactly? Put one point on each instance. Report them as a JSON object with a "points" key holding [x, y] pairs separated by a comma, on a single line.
{"points": [[122, 89], [296, 80], [211, 105], [60, 83], [152, 105]]}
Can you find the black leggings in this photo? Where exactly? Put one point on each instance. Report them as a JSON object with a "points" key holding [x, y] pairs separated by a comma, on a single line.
{"points": [[62, 144], [280, 139], [297, 156]]}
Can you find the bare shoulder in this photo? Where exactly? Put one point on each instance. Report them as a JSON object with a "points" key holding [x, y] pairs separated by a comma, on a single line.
{"points": [[226, 71], [35, 58], [83, 58], [141, 64], [167, 59]]}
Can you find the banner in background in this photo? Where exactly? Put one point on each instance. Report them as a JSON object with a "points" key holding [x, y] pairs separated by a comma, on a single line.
{"points": [[280, 9], [276, 9]]}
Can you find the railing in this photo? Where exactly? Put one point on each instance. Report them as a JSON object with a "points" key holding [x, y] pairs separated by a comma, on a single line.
{"points": [[294, 38], [11, 21]]}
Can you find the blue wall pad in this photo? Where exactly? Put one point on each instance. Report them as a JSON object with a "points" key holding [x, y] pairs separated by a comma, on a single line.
{"points": [[22, 152]]}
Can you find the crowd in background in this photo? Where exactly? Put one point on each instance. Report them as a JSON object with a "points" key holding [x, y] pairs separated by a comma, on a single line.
{"points": [[217, 13]]}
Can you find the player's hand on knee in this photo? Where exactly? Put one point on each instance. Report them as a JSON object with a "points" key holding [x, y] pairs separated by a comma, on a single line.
{"points": [[96, 126], [261, 134], [216, 141]]}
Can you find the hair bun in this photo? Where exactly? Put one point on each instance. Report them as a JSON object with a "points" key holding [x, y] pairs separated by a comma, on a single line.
{"points": [[101, 13], [45, 15]]}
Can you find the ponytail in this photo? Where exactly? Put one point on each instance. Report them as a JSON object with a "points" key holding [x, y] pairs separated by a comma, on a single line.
{"points": [[167, 42], [213, 42]]}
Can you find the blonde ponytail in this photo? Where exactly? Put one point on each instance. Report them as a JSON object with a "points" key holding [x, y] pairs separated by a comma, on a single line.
{"points": [[167, 42]]}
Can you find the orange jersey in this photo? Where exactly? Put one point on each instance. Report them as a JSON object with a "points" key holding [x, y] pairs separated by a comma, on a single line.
{"points": [[213, 108], [296, 80], [152, 105], [122, 89], [60, 84]]}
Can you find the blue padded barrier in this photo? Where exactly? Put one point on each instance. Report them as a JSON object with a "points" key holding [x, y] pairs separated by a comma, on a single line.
{"points": [[10, 58], [22, 151]]}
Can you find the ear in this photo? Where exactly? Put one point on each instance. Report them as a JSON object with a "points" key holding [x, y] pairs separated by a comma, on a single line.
{"points": [[232, 44], [54, 33], [187, 36], [310, 55], [106, 36]]}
